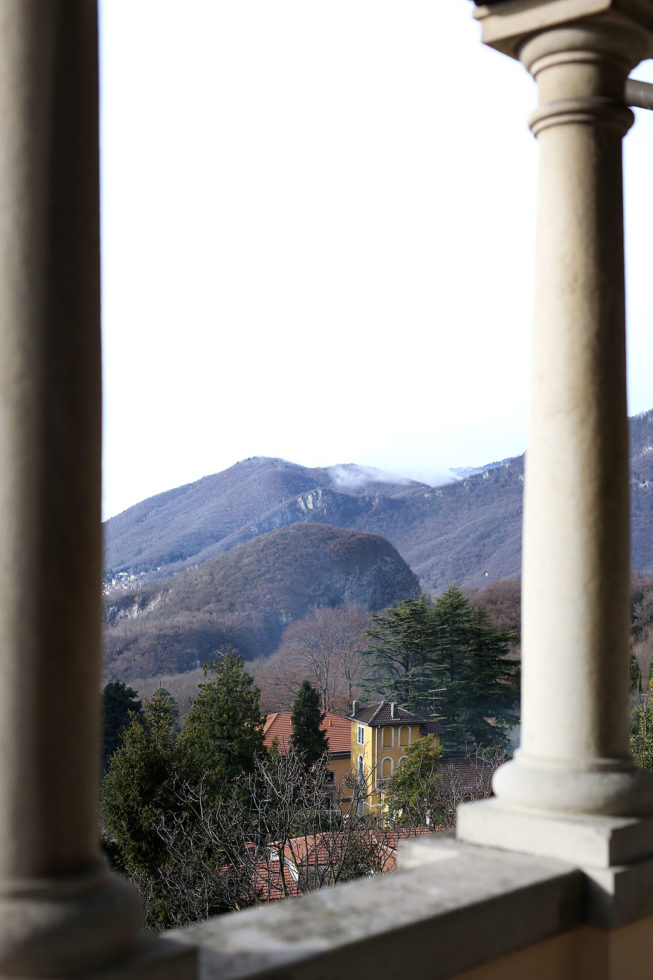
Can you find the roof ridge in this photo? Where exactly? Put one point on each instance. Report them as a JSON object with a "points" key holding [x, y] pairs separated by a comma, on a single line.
{"points": [[379, 706]]}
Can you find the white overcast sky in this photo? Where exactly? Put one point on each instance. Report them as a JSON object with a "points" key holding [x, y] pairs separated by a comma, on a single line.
{"points": [[318, 229]]}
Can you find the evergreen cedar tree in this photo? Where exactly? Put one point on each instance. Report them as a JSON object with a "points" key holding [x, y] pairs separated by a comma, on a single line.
{"points": [[223, 731], [444, 660], [307, 739], [118, 703]]}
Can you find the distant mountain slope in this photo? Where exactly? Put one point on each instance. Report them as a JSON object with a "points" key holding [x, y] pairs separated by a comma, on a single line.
{"points": [[468, 531], [185, 526], [641, 496], [247, 596]]}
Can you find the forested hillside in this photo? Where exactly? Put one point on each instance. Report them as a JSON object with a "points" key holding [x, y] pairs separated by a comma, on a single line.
{"points": [[641, 497], [248, 596]]}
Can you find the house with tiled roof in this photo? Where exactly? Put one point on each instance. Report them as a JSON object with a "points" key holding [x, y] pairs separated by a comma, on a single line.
{"points": [[278, 729], [313, 861], [466, 777], [380, 735]]}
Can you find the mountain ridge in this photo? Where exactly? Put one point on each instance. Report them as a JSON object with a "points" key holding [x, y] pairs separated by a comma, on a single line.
{"points": [[468, 531]]}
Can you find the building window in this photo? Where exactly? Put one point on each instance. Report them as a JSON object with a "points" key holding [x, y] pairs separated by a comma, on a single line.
{"points": [[361, 734], [387, 738], [329, 776], [404, 735], [386, 768]]}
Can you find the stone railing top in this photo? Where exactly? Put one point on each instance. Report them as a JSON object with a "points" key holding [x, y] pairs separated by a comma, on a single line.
{"points": [[441, 901]]}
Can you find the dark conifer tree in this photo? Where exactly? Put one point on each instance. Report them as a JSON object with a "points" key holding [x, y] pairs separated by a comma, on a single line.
{"points": [[118, 703], [223, 731], [444, 660], [139, 786], [308, 739], [393, 662], [489, 688]]}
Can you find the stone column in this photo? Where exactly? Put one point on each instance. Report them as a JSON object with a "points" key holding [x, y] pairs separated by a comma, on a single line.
{"points": [[576, 569], [574, 756], [60, 910]]}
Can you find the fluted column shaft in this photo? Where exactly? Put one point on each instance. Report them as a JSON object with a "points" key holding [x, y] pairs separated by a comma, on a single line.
{"points": [[574, 751], [59, 910]]}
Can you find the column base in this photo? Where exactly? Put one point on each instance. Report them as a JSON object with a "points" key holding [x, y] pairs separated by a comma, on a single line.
{"points": [[615, 854], [610, 787], [64, 925], [589, 841]]}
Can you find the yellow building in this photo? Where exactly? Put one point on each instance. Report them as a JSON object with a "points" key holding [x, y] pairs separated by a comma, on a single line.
{"points": [[380, 735], [278, 728]]}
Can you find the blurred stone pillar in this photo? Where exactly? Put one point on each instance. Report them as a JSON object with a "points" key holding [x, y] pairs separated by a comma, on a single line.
{"points": [[60, 910], [574, 760]]}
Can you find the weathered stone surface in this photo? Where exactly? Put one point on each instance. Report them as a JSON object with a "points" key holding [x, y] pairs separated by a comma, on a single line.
{"points": [[456, 907]]}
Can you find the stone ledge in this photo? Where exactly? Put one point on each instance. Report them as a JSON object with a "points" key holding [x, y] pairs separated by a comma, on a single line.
{"points": [[470, 904], [152, 958], [619, 896]]}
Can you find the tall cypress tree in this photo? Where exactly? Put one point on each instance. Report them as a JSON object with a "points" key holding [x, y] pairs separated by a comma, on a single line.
{"points": [[308, 739]]}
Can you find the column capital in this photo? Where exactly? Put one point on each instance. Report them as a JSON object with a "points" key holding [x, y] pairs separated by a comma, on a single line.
{"points": [[581, 70], [507, 26]]}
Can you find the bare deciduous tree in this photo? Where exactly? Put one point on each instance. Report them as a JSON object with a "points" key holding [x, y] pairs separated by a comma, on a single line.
{"points": [[280, 835], [322, 648]]}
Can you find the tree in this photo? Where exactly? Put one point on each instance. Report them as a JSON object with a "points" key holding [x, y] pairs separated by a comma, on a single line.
{"points": [[445, 660], [118, 703], [273, 837], [400, 641], [223, 732], [308, 740], [635, 674], [139, 784], [641, 741], [488, 689], [412, 795], [323, 648], [501, 600]]}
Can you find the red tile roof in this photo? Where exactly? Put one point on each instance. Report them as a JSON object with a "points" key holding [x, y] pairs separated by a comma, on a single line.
{"points": [[270, 885], [310, 856], [279, 725]]}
